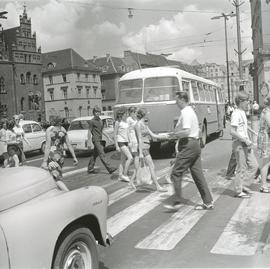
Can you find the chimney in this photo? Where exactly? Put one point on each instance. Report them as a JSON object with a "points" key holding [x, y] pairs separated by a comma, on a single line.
{"points": [[108, 56], [94, 58]]}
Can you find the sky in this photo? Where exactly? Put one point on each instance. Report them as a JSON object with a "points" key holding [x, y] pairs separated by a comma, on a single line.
{"points": [[182, 28]]}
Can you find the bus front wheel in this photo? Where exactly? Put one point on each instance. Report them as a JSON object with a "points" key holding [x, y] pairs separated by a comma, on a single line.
{"points": [[203, 138]]}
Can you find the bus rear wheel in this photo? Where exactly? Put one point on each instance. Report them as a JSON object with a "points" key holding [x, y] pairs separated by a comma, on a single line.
{"points": [[203, 138]]}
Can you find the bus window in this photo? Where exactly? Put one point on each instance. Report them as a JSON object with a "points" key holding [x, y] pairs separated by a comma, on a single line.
{"points": [[160, 89], [206, 92], [212, 94], [195, 91], [130, 91], [185, 86], [201, 91]]}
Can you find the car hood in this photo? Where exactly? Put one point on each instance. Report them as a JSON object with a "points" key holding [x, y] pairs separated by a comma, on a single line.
{"points": [[77, 135], [21, 184]]}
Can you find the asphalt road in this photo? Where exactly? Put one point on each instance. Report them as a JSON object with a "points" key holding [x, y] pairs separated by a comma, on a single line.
{"points": [[234, 234]]}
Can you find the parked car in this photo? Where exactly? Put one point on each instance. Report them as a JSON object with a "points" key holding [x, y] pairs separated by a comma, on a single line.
{"points": [[42, 226], [35, 135], [78, 132]]}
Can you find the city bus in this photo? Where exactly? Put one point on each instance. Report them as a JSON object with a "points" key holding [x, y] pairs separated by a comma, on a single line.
{"points": [[154, 90]]}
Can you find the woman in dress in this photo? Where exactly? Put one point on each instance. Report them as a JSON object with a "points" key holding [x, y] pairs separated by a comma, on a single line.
{"points": [[133, 145], [20, 136], [264, 145], [122, 140], [144, 135], [56, 137]]}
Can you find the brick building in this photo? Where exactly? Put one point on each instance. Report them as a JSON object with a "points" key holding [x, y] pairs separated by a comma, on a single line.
{"points": [[21, 72]]}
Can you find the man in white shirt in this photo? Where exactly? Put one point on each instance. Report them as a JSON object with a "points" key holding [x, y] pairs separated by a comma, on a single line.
{"points": [[189, 154], [242, 147]]}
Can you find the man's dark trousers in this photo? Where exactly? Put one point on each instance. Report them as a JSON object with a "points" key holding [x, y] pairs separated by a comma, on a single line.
{"points": [[99, 151], [231, 166], [189, 157]]}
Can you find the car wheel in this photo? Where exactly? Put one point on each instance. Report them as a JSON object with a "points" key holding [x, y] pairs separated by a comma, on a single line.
{"points": [[42, 149], [77, 250]]}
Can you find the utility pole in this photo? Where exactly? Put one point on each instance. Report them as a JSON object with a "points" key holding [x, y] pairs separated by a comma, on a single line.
{"points": [[226, 17], [239, 51]]}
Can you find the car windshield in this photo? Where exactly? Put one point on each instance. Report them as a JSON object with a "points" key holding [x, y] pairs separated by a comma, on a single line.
{"points": [[158, 89], [79, 125], [130, 91]]}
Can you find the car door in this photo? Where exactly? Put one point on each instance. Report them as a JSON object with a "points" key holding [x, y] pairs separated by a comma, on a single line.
{"points": [[28, 135], [109, 131], [38, 135]]}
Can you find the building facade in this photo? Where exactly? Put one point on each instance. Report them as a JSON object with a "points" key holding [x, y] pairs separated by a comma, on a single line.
{"points": [[23, 92], [261, 48], [72, 86]]}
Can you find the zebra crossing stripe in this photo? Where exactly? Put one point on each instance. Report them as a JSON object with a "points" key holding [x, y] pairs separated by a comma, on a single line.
{"points": [[243, 232], [170, 233]]}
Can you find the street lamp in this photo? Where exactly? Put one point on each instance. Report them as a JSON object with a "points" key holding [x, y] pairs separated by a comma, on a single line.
{"points": [[226, 17]]}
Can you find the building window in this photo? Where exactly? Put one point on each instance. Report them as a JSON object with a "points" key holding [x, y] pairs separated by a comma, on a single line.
{"points": [[86, 76], [22, 104], [103, 94], [64, 89], [78, 76], [104, 108], [88, 110], [64, 76], [87, 92], [109, 108], [29, 58], [51, 93], [50, 79], [2, 85], [94, 77], [79, 90], [22, 79], [95, 90], [28, 77], [35, 80], [30, 100], [80, 111], [66, 112]]}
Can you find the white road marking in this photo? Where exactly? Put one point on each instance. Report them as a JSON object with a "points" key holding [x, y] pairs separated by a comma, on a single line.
{"points": [[170, 233], [76, 171], [242, 234], [33, 160]]}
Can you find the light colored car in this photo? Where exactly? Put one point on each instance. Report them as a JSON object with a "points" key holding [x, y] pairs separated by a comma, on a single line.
{"points": [[78, 132], [42, 226], [34, 134]]}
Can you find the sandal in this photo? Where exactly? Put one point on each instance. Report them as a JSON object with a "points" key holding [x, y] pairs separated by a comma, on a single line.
{"points": [[265, 190], [242, 195]]}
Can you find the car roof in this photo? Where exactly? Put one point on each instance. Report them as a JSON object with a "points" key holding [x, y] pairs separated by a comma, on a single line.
{"points": [[103, 117], [27, 122]]}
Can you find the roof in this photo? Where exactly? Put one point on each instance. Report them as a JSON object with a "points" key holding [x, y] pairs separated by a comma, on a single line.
{"points": [[109, 64], [66, 59], [166, 71]]}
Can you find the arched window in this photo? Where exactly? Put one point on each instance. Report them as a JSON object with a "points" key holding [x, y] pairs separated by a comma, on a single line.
{"points": [[66, 112], [80, 111], [28, 77], [22, 79], [2, 85], [35, 80], [22, 104]]}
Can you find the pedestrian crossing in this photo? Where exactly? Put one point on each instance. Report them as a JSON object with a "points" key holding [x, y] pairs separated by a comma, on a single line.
{"points": [[241, 236]]}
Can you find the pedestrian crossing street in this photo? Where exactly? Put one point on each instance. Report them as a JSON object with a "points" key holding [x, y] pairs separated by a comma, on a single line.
{"points": [[241, 236]]}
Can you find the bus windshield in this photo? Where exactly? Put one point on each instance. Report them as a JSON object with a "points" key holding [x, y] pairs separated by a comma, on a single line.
{"points": [[130, 91], [160, 89]]}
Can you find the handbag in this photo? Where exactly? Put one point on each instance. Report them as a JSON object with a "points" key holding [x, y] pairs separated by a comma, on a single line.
{"points": [[143, 174]]}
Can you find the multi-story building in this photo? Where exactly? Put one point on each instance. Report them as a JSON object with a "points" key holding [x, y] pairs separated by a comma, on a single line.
{"points": [[72, 86], [23, 93], [261, 48], [111, 69]]}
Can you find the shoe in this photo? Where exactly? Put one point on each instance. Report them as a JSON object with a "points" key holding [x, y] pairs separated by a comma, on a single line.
{"points": [[112, 170], [91, 171], [175, 206], [247, 191], [242, 195], [204, 206], [124, 178], [264, 190]]}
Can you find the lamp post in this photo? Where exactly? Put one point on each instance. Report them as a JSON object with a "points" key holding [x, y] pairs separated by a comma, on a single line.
{"points": [[226, 17]]}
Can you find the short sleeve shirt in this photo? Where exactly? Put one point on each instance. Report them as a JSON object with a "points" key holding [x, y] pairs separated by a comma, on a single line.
{"points": [[239, 120], [188, 120]]}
